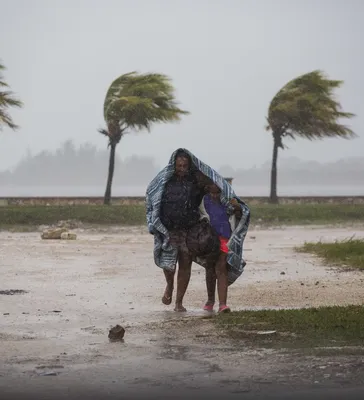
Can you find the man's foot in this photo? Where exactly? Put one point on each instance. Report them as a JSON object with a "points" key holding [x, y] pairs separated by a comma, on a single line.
{"points": [[179, 308], [167, 297], [224, 309], [209, 306]]}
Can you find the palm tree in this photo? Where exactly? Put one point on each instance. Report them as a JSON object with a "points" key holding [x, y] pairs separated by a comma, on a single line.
{"points": [[134, 102], [6, 101], [305, 107]]}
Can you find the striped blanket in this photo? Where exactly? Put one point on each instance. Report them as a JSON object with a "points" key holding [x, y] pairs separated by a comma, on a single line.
{"points": [[165, 255]]}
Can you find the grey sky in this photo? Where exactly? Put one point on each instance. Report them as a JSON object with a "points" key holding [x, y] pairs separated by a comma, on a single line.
{"points": [[227, 58]]}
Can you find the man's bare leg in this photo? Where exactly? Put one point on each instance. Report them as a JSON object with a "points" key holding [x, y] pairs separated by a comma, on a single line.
{"points": [[183, 278], [167, 297]]}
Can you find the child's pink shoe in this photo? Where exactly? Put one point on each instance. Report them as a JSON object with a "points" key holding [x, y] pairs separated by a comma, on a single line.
{"points": [[208, 307], [224, 309]]}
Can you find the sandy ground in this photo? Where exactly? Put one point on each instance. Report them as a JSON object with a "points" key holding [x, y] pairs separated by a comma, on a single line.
{"points": [[56, 333]]}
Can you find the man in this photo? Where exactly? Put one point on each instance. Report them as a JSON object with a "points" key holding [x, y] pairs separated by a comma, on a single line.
{"points": [[179, 212]]}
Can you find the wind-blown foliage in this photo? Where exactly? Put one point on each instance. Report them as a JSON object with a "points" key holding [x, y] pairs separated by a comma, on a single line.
{"points": [[135, 102], [305, 107], [7, 100]]}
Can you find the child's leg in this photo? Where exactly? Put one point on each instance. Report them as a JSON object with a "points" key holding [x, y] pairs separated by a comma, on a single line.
{"points": [[222, 281], [211, 288]]}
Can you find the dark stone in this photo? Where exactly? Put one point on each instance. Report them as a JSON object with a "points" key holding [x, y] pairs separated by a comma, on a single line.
{"points": [[116, 333]]}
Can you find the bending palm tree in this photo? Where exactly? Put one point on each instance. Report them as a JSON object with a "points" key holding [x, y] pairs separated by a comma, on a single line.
{"points": [[134, 102], [6, 101], [305, 107]]}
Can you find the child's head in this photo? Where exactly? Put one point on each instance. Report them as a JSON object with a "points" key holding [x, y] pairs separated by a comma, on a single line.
{"points": [[214, 190]]}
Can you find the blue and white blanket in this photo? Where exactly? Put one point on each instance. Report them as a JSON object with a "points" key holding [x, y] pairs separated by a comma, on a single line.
{"points": [[165, 255]]}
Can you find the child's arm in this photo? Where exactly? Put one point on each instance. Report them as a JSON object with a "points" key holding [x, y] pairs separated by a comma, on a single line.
{"points": [[203, 213]]}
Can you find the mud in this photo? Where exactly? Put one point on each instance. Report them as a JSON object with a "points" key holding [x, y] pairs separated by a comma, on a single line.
{"points": [[76, 291]]}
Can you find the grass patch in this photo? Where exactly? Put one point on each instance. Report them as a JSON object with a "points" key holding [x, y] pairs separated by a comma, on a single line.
{"points": [[306, 214], [323, 326], [347, 253], [46, 215], [263, 214]]}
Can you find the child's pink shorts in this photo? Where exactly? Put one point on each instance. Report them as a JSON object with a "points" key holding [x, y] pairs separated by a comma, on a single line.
{"points": [[223, 244]]}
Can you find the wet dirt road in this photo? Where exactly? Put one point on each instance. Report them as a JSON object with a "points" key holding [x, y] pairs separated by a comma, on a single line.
{"points": [[54, 336]]}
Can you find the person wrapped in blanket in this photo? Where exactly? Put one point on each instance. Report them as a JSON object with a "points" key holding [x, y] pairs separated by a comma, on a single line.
{"points": [[213, 211], [179, 214]]}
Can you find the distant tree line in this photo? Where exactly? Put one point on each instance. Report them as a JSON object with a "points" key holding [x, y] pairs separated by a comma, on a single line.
{"points": [[85, 166], [82, 166]]}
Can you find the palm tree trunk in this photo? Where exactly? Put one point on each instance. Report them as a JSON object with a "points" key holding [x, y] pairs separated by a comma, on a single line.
{"points": [[107, 197], [273, 198]]}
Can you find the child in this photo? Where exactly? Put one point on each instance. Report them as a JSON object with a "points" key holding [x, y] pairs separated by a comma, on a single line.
{"points": [[223, 223]]}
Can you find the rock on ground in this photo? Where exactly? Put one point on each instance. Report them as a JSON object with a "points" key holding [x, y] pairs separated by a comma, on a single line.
{"points": [[53, 233], [68, 236]]}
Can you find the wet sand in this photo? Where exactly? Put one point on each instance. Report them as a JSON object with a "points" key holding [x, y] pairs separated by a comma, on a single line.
{"points": [[77, 290]]}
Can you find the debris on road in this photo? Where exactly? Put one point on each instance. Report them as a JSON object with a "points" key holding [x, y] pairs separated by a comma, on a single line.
{"points": [[266, 332], [58, 233], [48, 374], [53, 233], [11, 292], [116, 333], [68, 236]]}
